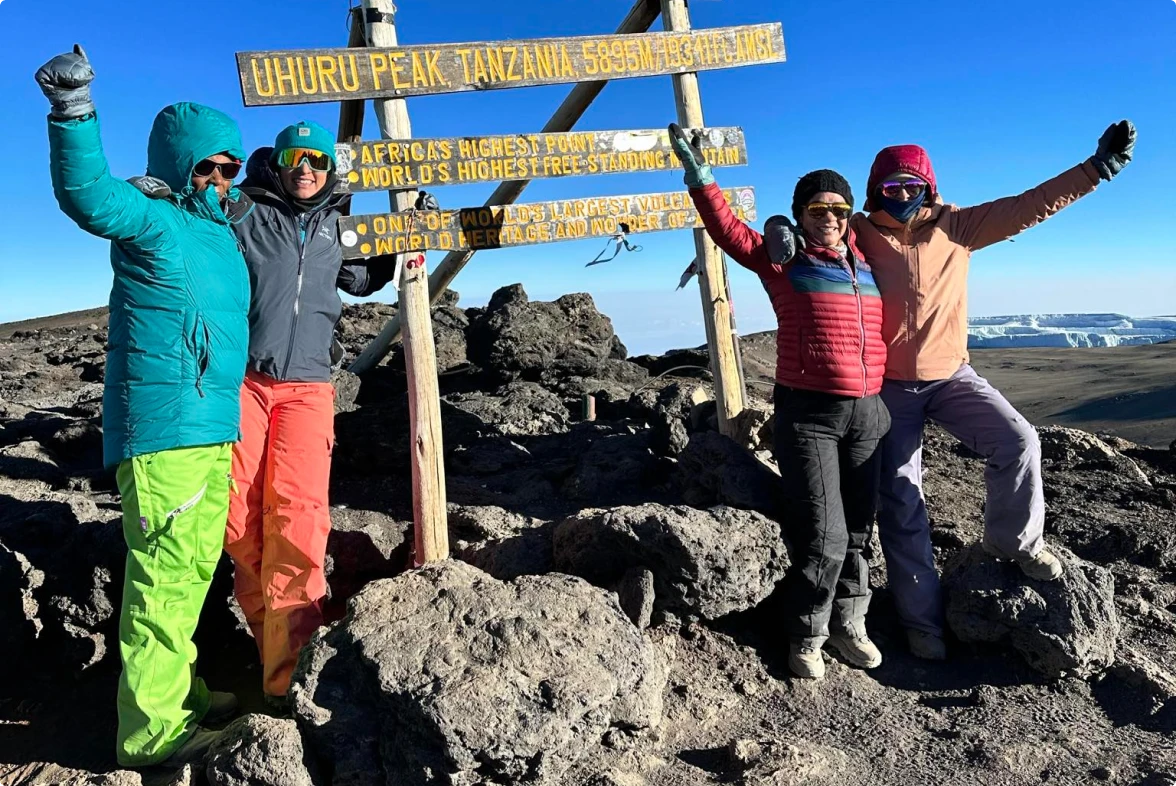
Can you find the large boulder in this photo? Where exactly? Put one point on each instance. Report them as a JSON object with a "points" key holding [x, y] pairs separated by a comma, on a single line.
{"points": [[1077, 449], [715, 470], [1063, 627], [258, 750], [705, 563], [446, 675], [516, 337]]}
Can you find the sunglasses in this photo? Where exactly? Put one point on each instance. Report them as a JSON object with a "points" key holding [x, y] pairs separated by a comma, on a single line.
{"points": [[895, 188], [840, 210], [228, 170], [292, 158]]}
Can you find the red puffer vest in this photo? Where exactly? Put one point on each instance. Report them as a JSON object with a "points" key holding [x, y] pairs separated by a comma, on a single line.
{"points": [[828, 308]]}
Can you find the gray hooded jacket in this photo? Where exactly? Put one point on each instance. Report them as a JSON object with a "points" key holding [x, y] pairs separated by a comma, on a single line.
{"points": [[296, 268]]}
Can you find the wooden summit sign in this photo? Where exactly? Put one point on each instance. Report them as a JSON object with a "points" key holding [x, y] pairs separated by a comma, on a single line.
{"points": [[301, 76], [527, 224], [390, 164]]}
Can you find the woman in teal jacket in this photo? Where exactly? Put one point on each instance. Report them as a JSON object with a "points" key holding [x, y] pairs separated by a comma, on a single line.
{"points": [[178, 340]]}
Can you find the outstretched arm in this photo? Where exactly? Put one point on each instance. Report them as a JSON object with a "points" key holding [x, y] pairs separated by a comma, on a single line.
{"points": [[992, 222], [86, 191], [366, 279], [737, 239]]}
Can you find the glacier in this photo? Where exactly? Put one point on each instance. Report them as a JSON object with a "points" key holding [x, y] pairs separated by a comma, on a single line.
{"points": [[1068, 330]]}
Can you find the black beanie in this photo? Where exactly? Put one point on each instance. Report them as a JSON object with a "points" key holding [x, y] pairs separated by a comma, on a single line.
{"points": [[815, 183]]}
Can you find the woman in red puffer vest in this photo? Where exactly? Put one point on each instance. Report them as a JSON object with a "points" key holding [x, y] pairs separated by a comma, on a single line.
{"points": [[829, 416]]}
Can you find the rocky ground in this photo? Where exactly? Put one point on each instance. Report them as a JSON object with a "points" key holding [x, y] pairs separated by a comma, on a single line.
{"points": [[611, 617]]}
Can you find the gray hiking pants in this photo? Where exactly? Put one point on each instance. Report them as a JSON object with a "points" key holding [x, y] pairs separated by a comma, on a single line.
{"points": [[977, 415]]}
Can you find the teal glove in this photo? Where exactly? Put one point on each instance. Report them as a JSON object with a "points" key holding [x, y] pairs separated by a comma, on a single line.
{"points": [[698, 172], [65, 81], [1115, 147]]}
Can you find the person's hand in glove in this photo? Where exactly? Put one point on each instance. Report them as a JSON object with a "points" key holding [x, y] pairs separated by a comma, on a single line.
{"points": [[65, 81], [781, 239], [698, 172], [1115, 148]]}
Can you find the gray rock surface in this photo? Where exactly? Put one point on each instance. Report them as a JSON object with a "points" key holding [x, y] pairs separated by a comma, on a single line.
{"points": [[446, 675], [257, 750], [715, 470], [707, 563], [1063, 627]]}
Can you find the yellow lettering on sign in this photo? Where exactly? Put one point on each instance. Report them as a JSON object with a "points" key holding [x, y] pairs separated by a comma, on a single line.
{"points": [[283, 78], [511, 74], [528, 64], [565, 62], [377, 63], [269, 89], [436, 75], [397, 68], [326, 69], [495, 63], [350, 85], [420, 77], [312, 87]]}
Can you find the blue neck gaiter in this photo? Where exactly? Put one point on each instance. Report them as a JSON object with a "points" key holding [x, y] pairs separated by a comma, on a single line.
{"points": [[902, 211]]}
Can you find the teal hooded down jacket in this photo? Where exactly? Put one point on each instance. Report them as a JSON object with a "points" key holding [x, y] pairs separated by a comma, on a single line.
{"points": [[179, 306]]}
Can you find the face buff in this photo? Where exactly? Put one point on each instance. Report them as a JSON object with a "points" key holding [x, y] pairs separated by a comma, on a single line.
{"points": [[902, 211]]}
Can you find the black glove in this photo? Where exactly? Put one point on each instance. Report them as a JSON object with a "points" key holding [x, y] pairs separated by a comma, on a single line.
{"points": [[781, 239], [698, 172], [1115, 147], [65, 81], [426, 201]]}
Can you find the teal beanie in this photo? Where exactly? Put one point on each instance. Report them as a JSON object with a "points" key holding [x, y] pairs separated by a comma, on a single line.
{"points": [[306, 134]]}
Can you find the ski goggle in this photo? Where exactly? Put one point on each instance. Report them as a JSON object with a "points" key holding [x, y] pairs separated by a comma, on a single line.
{"points": [[840, 210], [895, 189], [228, 170], [292, 158]]}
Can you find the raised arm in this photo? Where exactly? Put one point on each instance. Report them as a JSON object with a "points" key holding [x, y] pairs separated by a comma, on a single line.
{"points": [[737, 239], [992, 222], [368, 278], [86, 191]]}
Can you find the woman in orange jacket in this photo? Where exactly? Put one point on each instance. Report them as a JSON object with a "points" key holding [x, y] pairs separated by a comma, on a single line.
{"points": [[919, 249]]}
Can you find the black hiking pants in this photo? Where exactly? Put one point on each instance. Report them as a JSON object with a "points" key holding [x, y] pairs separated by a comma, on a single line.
{"points": [[827, 451]]}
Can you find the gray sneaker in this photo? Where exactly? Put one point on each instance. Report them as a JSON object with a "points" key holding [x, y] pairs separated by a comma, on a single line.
{"points": [[806, 660], [194, 750], [927, 646], [221, 707], [858, 650]]}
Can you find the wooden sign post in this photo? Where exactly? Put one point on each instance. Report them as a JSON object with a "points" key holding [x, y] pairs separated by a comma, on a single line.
{"points": [[730, 393], [384, 71], [430, 518]]}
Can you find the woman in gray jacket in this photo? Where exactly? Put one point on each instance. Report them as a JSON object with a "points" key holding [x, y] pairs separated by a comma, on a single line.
{"points": [[279, 517]]}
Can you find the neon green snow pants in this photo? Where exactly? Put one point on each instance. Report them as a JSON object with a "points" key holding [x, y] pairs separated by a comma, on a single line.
{"points": [[175, 504]]}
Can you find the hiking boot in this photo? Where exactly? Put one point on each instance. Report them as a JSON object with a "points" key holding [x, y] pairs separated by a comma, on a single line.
{"points": [[927, 646], [221, 707], [858, 650], [806, 660], [194, 750], [1043, 567]]}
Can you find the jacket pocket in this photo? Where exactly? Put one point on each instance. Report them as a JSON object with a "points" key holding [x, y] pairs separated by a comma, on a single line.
{"points": [[202, 341]]}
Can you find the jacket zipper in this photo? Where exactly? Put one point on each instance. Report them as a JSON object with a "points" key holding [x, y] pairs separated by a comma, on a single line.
{"points": [[297, 299], [857, 293]]}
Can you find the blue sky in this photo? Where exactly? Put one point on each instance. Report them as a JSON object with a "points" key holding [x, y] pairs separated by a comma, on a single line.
{"points": [[1003, 98]]}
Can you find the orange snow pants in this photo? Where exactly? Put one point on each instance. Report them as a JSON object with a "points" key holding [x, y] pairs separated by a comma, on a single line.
{"points": [[279, 517]]}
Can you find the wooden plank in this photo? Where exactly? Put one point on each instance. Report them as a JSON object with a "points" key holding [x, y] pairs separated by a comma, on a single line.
{"points": [[408, 163], [429, 513], [507, 226], [640, 17], [730, 393], [299, 76]]}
